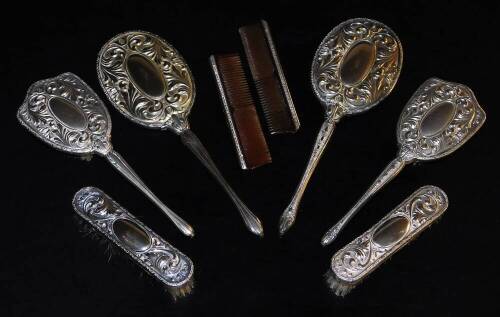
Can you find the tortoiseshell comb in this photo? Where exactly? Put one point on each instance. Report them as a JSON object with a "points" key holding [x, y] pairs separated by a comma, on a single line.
{"points": [[269, 79], [240, 111]]}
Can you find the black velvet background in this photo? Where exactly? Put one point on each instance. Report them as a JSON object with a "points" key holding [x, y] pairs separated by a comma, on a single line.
{"points": [[49, 268]]}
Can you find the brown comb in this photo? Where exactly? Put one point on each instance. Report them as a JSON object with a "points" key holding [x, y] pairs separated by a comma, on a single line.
{"points": [[269, 79], [240, 111]]}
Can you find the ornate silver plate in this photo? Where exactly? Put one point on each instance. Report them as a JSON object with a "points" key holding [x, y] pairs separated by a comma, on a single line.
{"points": [[351, 264], [149, 82], [149, 250], [355, 67], [67, 114], [439, 118]]}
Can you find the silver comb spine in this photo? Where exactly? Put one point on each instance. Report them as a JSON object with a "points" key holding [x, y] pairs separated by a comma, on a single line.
{"points": [[281, 75], [227, 111]]}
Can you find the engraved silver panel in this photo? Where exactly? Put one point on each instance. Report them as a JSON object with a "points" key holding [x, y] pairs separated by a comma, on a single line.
{"points": [[158, 257], [168, 110], [466, 120], [325, 72], [38, 117]]}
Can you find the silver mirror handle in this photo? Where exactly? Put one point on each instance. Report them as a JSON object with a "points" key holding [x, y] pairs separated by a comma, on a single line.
{"points": [[121, 165], [387, 175], [194, 144], [288, 217]]}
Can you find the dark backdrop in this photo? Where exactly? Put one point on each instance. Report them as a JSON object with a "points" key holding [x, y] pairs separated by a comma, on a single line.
{"points": [[48, 267]]}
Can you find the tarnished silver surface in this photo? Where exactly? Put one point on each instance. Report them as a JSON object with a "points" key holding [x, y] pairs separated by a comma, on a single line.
{"points": [[138, 100], [149, 250], [362, 256], [68, 115], [345, 97], [443, 133]]}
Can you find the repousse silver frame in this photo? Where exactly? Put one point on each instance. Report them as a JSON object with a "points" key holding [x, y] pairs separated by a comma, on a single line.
{"points": [[35, 115], [172, 116]]}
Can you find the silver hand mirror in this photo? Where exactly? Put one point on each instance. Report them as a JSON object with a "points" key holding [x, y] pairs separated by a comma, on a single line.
{"points": [[68, 115], [355, 67], [149, 82], [439, 118]]}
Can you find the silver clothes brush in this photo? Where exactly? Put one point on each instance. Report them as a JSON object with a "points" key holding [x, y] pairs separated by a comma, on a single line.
{"points": [[68, 115], [355, 67], [438, 119], [155, 255], [358, 259], [149, 82]]}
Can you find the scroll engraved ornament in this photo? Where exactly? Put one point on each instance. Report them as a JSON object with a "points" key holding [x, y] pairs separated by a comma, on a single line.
{"points": [[159, 258], [380, 80], [154, 111], [360, 257], [36, 115], [468, 118]]}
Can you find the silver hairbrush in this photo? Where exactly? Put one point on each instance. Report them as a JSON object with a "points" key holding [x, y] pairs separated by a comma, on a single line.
{"points": [[438, 119], [67, 114]]}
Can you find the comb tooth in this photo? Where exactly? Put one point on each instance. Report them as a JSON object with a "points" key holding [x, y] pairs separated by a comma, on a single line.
{"points": [[269, 80], [275, 111], [240, 111]]}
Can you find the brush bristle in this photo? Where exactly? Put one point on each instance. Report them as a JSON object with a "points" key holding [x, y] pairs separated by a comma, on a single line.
{"points": [[339, 287], [86, 157], [89, 231], [181, 291]]}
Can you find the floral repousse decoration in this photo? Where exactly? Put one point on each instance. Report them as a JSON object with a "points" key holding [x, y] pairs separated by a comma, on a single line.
{"points": [[358, 258], [379, 82], [176, 101], [36, 115], [467, 119], [159, 258]]}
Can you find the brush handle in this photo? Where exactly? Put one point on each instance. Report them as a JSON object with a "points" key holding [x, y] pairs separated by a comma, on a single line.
{"points": [[388, 174], [290, 213], [121, 165], [194, 144]]}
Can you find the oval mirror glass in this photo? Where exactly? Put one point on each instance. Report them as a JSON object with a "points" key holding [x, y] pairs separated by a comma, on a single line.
{"points": [[68, 113], [145, 75]]}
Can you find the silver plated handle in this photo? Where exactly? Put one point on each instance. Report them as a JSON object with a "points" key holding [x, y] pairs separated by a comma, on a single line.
{"points": [[121, 165], [388, 174], [194, 144], [288, 217]]}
